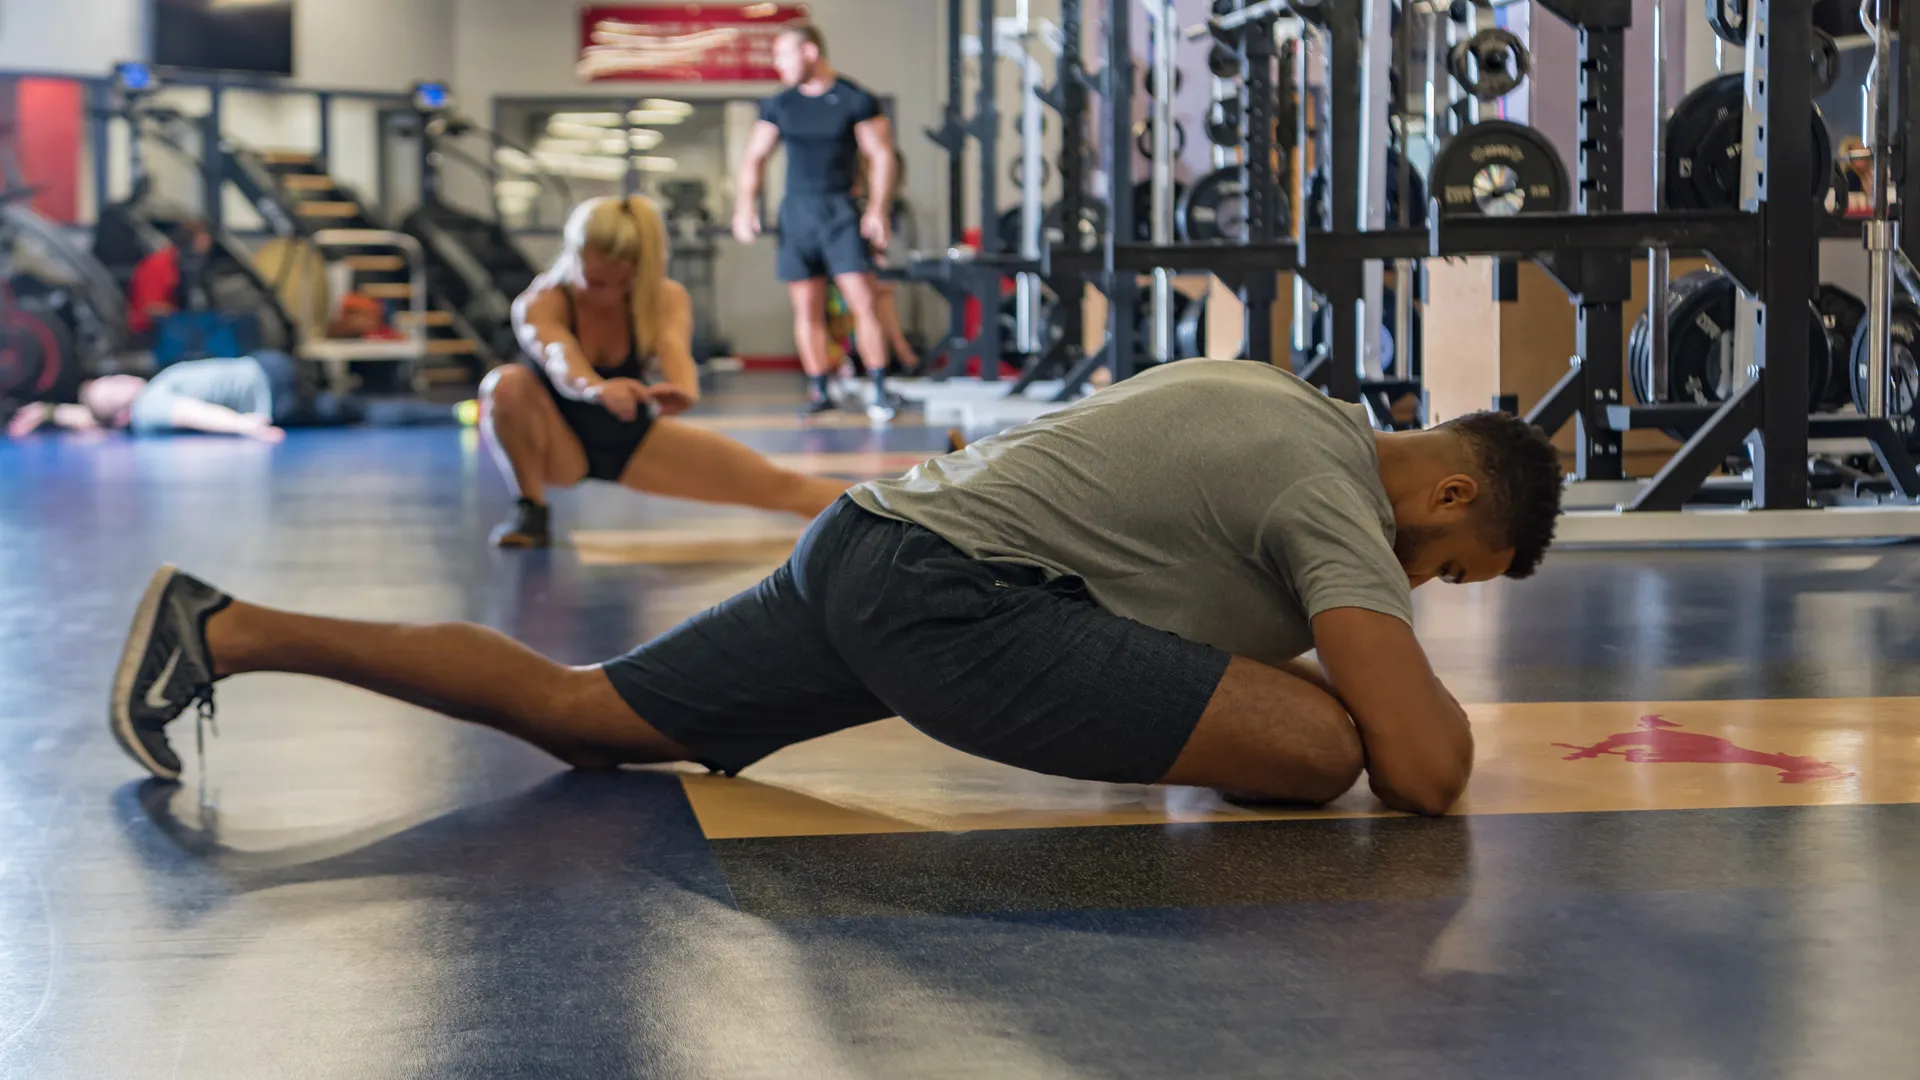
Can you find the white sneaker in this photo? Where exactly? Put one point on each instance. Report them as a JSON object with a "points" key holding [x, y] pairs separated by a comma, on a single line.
{"points": [[879, 413]]}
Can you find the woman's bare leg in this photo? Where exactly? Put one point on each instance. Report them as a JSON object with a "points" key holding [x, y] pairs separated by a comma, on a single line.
{"points": [[529, 440], [687, 462], [461, 670]]}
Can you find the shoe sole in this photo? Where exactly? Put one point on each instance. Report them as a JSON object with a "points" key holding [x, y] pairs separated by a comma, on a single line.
{"points": [[119, 715]]}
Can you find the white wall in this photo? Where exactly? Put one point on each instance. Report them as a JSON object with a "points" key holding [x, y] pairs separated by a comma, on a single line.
{"points": [[81, 37], [893, 47]]}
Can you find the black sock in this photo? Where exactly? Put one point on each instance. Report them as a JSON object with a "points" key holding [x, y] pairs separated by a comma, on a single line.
{"points": [[820, 384], [880, 385]]}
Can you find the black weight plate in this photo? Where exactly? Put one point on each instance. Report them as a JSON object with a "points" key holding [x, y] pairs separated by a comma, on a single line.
{"points": [[1223, 122], [1681, 292], [1093, 224], [1491, 64], [1214, 209], [1143, 209], [1007, 228], [1143, 138], [1190, 332], [1143, 325], [1010, 327], [1389, 352], [1701, 365], [1704, 135], [1146, 78], [1728, 20], [1826, 61], [1223, 62], [1497, 168], [1225, 7], [1903, 400], [1841, 314]]}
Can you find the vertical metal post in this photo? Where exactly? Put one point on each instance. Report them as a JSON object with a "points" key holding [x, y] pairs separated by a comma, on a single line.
{"points": [[1123, 300], [986, 128], [1597, 332], [325, 102], [957, 152], [1161, 227], [1403, 269], [1342, 283], [1259, 288], [213, 167], [1658, 270], [1778, 177], [1882, 230], [1070, 290]]}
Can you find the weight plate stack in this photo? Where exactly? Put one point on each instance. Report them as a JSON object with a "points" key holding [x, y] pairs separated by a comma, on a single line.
{"points": [[1497, 169], [1701, 365], [1903, 398], [1703, 148], [1841, 314], [1728, 20]]}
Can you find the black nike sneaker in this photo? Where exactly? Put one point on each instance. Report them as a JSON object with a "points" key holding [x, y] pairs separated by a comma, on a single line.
{"points": [[526, 529], [165, 668], [817, 405]]}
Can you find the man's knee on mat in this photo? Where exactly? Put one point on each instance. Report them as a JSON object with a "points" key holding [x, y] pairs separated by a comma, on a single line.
{"points": [[1269, 735]]}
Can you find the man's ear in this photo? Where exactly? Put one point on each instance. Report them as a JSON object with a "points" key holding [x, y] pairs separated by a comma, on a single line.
{"points": [[1455, 493]]}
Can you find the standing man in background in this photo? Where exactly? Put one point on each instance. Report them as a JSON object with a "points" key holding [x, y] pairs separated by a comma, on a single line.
{"points": [[827, 121]]}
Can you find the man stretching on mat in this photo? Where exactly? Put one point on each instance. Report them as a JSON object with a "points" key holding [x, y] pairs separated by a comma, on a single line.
{"points": [[1083, 596], [827, 120]]}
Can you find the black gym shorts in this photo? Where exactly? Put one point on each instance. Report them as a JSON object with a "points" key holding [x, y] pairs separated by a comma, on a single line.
{"points": [[872, 618], [820, 237]]}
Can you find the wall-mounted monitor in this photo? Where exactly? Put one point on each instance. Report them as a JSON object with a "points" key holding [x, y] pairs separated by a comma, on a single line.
{"points": [[254, 36]]}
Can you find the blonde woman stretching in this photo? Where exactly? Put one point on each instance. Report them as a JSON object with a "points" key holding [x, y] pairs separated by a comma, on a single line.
{"points": [[579, 408]]}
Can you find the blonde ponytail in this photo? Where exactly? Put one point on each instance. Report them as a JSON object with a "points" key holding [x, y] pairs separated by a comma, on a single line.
{"points": [[627, 230]]}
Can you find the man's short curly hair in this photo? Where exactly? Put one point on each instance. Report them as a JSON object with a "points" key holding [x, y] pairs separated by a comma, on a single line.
{"points": [[1523, 480]]}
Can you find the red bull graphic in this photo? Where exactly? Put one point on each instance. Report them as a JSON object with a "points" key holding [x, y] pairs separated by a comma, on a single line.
{"points": [[1659, 741]]}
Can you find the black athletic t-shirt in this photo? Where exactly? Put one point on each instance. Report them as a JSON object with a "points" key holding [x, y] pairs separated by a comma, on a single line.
{"points": [[818, 132]]}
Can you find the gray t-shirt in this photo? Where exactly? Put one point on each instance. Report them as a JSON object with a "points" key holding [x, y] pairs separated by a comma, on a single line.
{"points": [[1224, 501], [240, 385]]}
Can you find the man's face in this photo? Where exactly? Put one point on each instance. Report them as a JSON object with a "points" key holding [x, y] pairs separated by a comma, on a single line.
{"points": [[1444, 538], [794, 59]]}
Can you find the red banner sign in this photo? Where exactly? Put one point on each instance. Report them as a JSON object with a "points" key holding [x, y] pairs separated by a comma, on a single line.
{"points": [[682, 42]]}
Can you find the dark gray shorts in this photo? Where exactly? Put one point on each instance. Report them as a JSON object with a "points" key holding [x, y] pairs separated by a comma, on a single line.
{"points": [[820, 237], [873, 618]]}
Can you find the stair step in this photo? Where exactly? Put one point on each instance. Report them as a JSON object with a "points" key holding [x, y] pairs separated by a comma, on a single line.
{"points": [[424, 318], [375, 264], [389, 290], [286, 157], [308, 182], [324, 209], [452, 347]]}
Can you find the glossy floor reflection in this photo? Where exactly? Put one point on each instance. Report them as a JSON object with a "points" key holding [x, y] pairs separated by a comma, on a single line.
{"points": [[357, 889]]}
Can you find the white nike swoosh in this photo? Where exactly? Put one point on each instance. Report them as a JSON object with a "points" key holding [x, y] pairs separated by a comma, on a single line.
{"points": [[156, 694]]}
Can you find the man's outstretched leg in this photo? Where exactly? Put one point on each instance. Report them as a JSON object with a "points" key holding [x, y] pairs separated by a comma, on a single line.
{"points": [[187, 635]]}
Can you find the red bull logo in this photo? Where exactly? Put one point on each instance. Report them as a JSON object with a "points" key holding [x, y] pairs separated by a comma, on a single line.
{"points": [[1659, 741]]}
